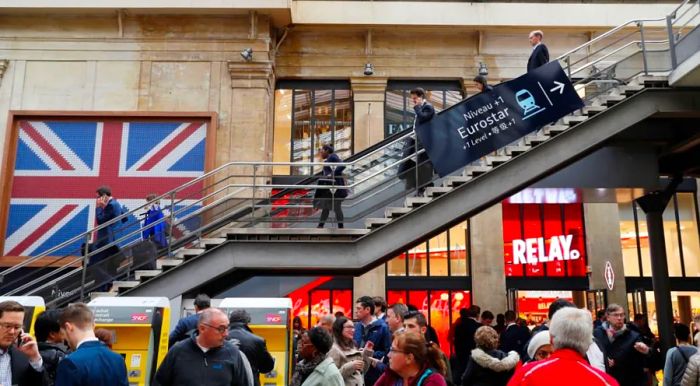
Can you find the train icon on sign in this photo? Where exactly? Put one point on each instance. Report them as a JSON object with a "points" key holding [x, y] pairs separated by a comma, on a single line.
{"points": [[527, 103]]}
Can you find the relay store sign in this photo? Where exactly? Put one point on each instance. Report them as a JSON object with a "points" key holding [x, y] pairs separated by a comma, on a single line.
{"points": [[488, 121], [537, 250]]}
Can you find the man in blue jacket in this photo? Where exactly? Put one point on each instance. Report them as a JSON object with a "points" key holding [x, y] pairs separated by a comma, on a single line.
{"points": [[91, 363], [371, 330], [188, 325]]}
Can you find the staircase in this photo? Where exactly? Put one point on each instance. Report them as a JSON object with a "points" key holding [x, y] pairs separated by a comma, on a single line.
{"points": [[258, 226]]}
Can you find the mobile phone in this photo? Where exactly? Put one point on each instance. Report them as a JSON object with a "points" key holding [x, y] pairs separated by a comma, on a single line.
{"points": [[19, 338]]}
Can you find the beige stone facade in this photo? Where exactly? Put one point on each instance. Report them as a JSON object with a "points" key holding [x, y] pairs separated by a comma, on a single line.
{"points": [[163, 56]]}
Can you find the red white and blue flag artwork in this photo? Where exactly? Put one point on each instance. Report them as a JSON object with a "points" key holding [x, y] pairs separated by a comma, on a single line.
{"points": [[60, 163]]}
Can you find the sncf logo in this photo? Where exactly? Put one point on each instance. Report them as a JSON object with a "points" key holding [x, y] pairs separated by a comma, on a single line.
{"points": [[139, 317], [273, 318]]}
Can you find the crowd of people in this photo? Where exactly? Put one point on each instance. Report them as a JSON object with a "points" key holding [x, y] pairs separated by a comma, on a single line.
{"points": [[382, 346]]}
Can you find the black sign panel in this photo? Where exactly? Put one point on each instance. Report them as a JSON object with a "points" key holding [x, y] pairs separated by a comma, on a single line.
{"points": [[488, 121]]}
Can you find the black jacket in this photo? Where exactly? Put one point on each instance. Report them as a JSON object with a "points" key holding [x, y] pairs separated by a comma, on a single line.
{"points": [[514, 338], [629, 363], [424, 113], [254, 348], [464, 338], [23, 374], [492, 368], [538, 57], [52, 354], [186, 364]]}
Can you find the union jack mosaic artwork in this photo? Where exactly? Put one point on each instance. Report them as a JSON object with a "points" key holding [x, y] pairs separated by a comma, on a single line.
{"points": [[60, 163]]}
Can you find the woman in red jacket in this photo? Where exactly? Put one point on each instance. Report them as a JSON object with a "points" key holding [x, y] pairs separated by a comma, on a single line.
{"points": [[413, 362]]}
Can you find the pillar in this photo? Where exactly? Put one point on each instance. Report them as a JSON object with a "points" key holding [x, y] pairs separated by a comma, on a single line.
{"points": [[602, 223], [685, 312], [368, 97], [372, 283], [653, 205], [368, 110], [487, 264]]}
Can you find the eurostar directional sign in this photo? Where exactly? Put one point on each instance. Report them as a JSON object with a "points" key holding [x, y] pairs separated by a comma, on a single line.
{"points": [[490, 120]]}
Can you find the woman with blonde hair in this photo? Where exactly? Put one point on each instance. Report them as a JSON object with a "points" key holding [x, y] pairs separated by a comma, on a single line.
{"points": [[413, 362], [487, 365]]}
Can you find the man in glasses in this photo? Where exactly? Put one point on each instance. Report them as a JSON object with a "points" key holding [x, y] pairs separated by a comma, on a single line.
{"points": [[20, 362], [207, 358], [626, 355]]}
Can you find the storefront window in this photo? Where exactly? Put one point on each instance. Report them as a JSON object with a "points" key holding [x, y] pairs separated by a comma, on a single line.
{"points": [[685, 305], [440, 307], [681, 235], [398, 110], [309, 115], [544, 240], [533, 306], [310, 306], [443, 255]]}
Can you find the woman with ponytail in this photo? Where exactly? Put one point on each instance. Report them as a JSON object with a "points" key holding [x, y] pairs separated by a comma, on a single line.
{"points": [[413, 362]]}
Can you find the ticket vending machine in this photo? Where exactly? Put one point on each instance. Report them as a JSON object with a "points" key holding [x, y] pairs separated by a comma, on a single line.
{"points": [[270, 319], [140, 327], [33, 306]]}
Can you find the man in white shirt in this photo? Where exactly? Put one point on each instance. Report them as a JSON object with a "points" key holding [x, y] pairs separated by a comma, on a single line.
{"points": [[20, 362]]}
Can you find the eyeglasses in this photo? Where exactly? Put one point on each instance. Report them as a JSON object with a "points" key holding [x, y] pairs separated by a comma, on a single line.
{"points": [[618, 315], [221, 329], [10, 326]]}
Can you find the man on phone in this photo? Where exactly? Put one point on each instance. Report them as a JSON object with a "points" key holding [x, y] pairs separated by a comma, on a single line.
{"points": [[20, 362]]}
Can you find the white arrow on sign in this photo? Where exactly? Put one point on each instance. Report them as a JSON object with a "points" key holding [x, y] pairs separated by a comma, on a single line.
{"points": [[559, 86]]}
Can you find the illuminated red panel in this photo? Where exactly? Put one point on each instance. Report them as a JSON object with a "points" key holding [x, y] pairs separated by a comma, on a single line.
{"points": [[511, 231], [533, 229], [573, 224], [459, 300], [440, 316], [553, 228], [420, 300], [342, 302], [320, 305], [534, 306], [300, 307], [394, 297]]}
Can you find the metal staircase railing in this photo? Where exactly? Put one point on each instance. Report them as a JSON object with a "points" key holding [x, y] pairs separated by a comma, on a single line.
{"points": [[241, 194]]}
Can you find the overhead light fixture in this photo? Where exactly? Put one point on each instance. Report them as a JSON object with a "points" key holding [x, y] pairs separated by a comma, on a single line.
{"points": [[247, 54], [483, 70], [369, 69]]}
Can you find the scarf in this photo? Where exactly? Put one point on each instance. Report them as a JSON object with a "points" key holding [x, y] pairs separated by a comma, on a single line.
{"points": [[304, 369], [612, 333]]}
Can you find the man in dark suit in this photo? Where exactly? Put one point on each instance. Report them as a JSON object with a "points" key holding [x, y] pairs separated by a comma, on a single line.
{"points": [[188, 325], [20, 361], [540, 53], [407, 172], [91, 363], [253, 346], [464, 339], [514, 336]]}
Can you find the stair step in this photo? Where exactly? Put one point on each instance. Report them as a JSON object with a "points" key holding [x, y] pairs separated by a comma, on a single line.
{"points": [[395, 212], [144, 274], [534, 140], [554, 130], [455, 181], [474, 171], [593, 110], [630, 89], [436, 191], [611, 100], [122, 286], [166, 264], [414, 202], [574, 120], [515, 151], [495, 160], [189, 252], [209, 243], [371, 223]]}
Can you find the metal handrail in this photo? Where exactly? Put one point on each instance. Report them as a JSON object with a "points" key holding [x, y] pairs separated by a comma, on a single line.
{"points": [[173, 192]]}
